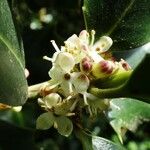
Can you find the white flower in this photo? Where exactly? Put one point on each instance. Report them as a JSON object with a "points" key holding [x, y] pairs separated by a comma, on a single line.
{"points": [[73, 63]]}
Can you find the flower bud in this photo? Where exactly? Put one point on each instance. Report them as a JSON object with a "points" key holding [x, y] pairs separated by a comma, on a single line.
{"points": [[103, 69], [86, 65], [125, 65]]}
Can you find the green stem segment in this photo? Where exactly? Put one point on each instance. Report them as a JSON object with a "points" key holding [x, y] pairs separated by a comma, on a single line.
{"points": [[109, 93], [84, 138]]}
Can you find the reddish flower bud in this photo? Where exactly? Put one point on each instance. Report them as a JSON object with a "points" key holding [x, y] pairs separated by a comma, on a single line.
{"points": [[125, 65], [103, 69], [86, 64]]}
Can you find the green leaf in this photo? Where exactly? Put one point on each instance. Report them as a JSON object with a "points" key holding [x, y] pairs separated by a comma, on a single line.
{"points": [[85, 139], [90, 142], [45, 121], [126, 22], [127, 114], [13, 85], [104, 144], [64, 125], [134, 56], [138, 84]]}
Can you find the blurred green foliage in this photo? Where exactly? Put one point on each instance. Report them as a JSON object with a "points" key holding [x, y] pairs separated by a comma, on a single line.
{"points": [[42, 21]]}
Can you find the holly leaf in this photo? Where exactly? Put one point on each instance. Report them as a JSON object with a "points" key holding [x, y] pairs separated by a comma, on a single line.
{"points": [[13, 84], [139, 60], [135, 56], [138, 84], [104, 144], [126, 114], [90, 142], [126, 22]]}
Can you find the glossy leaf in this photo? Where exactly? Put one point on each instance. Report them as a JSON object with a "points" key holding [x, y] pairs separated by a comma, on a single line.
{"points": [[138, 84], [13, 85], [127, 114], [64, 125], [45, 121], [90, 142], [135, 56], [126, 22], [104, 144]]}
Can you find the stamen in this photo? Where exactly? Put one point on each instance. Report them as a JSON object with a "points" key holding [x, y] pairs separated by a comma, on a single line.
{"points": [[73, 105], [70, 87], [69, 97], [47, 58], [90, 111], [85, 99], [91, 96], [92, 37], [55, 46]]}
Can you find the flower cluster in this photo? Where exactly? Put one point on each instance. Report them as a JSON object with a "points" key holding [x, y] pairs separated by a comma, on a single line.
{"points": [[74, 66]]}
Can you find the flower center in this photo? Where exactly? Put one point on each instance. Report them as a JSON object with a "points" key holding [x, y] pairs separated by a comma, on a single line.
{"points": [[67, 76]]}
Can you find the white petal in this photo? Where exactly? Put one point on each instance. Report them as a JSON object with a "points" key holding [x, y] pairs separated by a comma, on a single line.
{"points": [[66, 86], [103, 44], [56, 73], [81, 82], [52, 99], [84, 36], [95, 56], [66, 61]]}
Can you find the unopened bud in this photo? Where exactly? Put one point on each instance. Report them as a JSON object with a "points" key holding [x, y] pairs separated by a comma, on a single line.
{"points": [[86, 65], [103, 69], [125, 65]]}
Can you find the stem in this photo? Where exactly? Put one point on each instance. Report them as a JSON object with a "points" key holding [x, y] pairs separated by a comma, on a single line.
{"points": [[84, 138], [35, 90], [110, 92]]}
